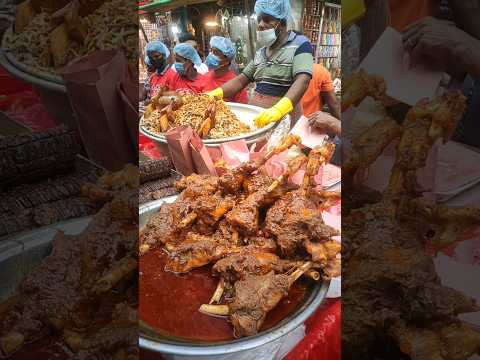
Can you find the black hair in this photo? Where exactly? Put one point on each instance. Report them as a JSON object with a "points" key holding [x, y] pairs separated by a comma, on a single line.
{"points": [[186, 37]]}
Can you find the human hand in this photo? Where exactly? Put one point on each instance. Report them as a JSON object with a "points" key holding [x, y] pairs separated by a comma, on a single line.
{"points": [[433, 40], [325, 123]]}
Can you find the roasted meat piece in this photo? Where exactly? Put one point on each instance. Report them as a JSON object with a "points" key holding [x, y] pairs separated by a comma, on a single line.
{"points": [[77, 275]]}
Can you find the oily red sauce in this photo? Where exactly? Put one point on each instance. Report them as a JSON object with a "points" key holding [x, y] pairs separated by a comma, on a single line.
{"points": [[169, 302]]}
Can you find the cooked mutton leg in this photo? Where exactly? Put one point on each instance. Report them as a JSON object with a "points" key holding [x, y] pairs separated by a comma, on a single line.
{"points": [[425, 123], [293, 166], [368, 146], [232, 181], [451, 223], [254, 297], [121, 270], [319, 156]]}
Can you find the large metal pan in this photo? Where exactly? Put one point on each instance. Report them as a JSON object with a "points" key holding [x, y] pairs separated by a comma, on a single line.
{"points": [[244, 348], [245, 113]]}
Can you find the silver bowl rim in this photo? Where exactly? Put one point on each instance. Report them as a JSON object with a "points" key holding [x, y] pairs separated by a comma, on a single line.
{"points": [[285, 326], [247, 136]]}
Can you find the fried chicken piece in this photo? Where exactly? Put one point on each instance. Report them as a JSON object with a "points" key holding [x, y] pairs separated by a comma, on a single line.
{"points": [[360, 85], [325, 255]]}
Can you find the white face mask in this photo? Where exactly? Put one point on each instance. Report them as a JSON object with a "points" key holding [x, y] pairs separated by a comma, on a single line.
{"points": [[266, 37]]}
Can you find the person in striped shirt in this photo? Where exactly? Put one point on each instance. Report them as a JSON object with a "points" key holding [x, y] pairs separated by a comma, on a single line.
{"points": [[281, 68]]}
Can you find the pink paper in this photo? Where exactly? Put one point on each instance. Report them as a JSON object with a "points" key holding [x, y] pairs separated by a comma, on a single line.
{"points": [[457, 167], [388, 59], [235, 152], [310, 137], [331, 175]]}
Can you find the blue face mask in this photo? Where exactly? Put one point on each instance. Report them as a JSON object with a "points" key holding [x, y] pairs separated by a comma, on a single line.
{"points": [[179, 68], [212, 61]]}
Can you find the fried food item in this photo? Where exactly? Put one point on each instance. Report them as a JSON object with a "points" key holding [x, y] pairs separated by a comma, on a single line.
{"points": [[59, 41], [359, 86], [212, 120], [368, 146], [25, 14], [424, 124], [76, 26]]}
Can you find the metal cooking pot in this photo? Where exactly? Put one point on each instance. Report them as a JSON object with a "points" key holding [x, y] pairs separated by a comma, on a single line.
{"points": [[244, 348]]}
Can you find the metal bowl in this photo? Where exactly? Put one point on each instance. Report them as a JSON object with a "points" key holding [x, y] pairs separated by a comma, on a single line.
{"points": [[245, 113], [28, 73], [246, 348]]}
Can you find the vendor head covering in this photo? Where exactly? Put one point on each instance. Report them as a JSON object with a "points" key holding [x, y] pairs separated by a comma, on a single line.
{"points": [[188, 52], [157, 46], [279, 9], [224, 45]]}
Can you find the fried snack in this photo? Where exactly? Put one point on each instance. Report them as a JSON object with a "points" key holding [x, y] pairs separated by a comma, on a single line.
{"points": [[59, 40], [25, 14], [192, 113], [359, 86], [111, 26], [76, 27]]}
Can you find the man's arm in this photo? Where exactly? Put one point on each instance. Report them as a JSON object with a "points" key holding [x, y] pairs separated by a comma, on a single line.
{"points": [[234, 86], [298, 88], [332, 101]]}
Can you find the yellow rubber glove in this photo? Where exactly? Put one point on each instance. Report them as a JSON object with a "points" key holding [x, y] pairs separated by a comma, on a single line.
{"points": [[352, 10], [216, 93], [275, 113]]}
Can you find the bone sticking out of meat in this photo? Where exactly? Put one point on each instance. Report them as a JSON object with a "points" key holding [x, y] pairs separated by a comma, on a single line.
{"points": [[124, 267], [293, 167], [190, 218], [217, 295], [368, 146], [286, 144], [318, 156], [223, 310], [314, 275]]}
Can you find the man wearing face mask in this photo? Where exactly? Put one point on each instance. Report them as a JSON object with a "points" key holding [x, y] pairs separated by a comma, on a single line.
{"points": [[222, 52], [281, 69], [185, 77], [156, 57]]}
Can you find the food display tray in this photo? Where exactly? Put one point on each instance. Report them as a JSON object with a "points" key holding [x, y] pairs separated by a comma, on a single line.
{"points": [[244, 348]]}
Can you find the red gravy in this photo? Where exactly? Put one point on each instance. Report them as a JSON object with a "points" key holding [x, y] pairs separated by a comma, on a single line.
{"points": [[169, 302]]}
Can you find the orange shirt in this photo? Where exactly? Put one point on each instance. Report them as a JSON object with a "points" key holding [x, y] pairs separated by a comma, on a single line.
{"points": [[406, 12], [321, 82]]}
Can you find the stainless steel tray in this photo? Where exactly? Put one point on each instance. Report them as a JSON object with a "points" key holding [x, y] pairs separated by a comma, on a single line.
{"points": [[246, 348], [245, 113], [28, 73]]}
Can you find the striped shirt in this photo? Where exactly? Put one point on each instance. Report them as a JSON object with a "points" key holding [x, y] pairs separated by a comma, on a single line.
{"points": [[274, 76]]}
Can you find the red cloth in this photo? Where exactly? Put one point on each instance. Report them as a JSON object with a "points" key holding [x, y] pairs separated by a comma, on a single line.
{"points": [[323, 334], [173, 81], [212, 82], [22, 104], [148, 147]]}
